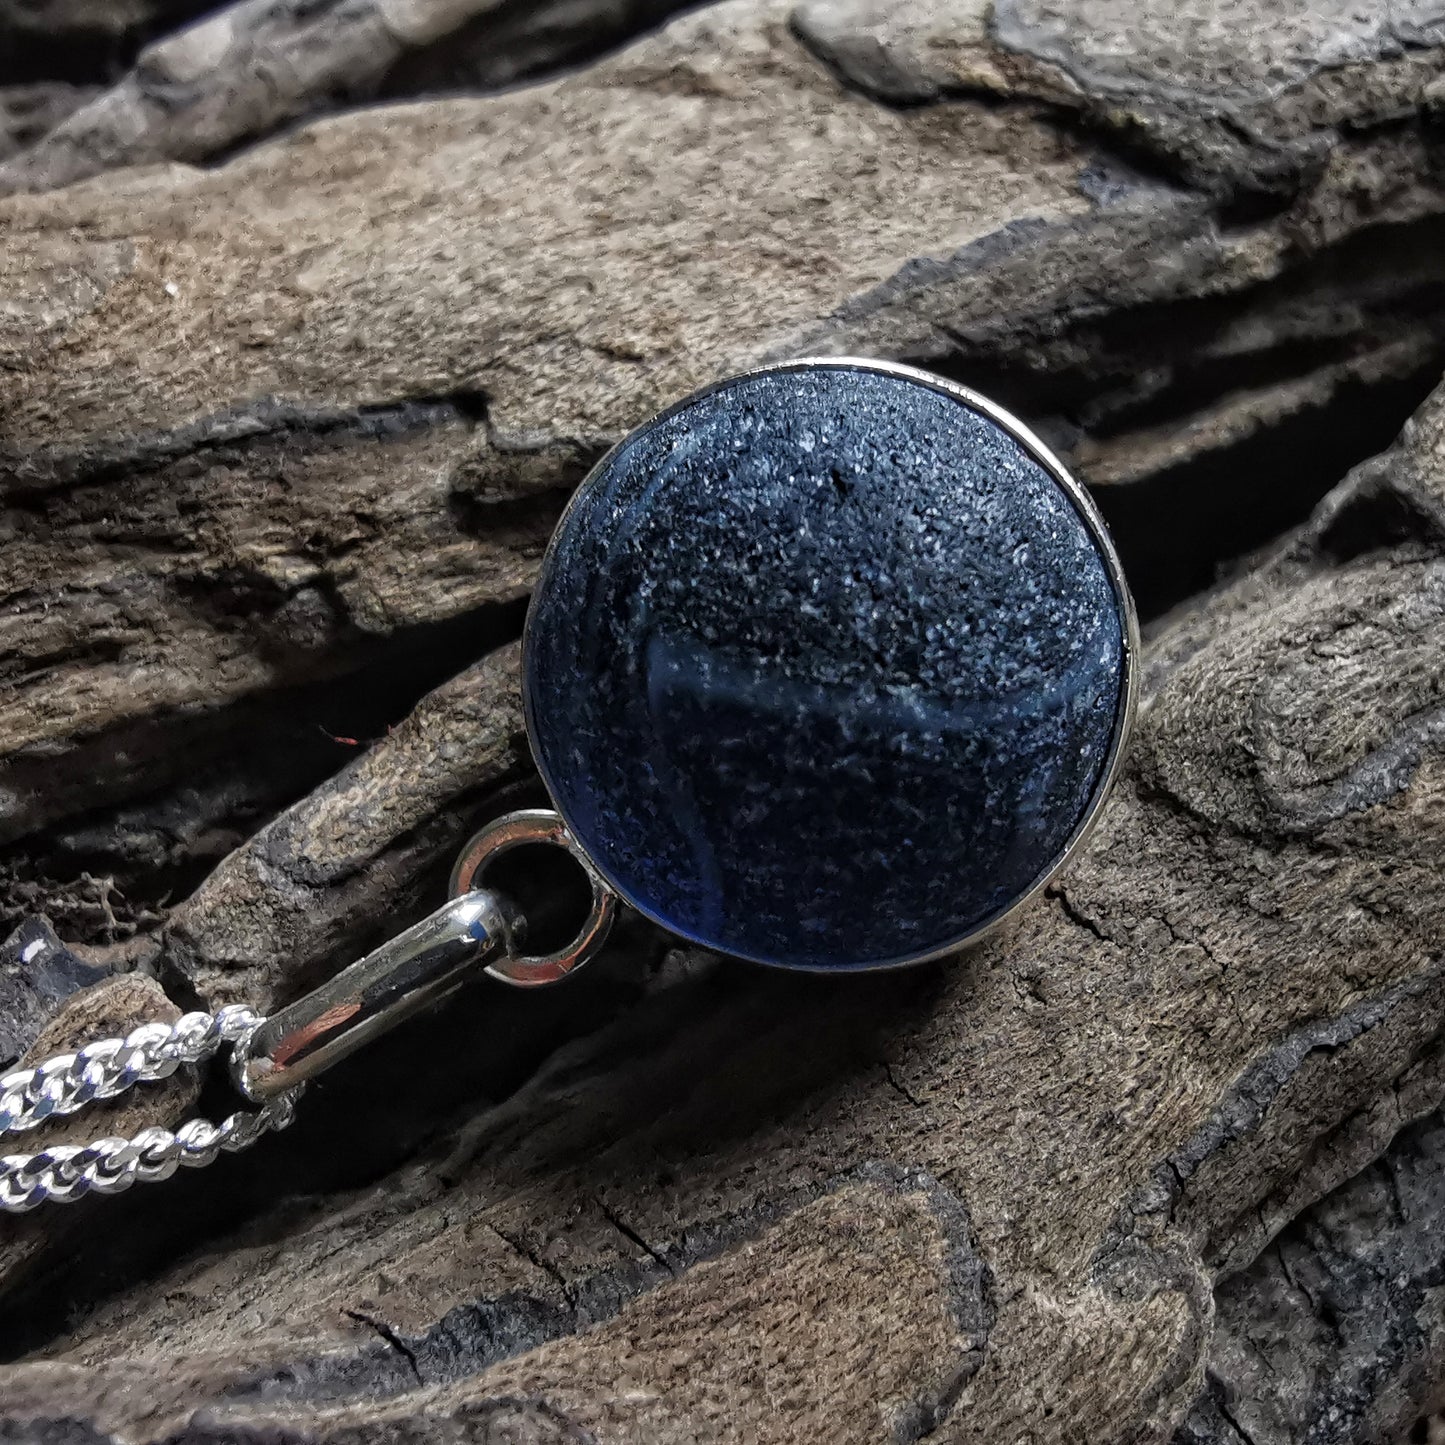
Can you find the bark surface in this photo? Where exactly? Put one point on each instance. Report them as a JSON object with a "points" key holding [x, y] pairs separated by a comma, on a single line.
{"points": [[284, 438]]}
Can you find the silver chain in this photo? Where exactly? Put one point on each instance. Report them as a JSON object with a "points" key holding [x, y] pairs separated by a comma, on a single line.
{"points": [[271, 1058], [65, 1173]]}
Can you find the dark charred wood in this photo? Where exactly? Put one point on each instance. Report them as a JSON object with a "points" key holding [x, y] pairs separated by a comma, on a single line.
{"points": [[284, 441]]}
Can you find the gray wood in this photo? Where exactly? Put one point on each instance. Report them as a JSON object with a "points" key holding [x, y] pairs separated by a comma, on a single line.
{"points": [[1335, 1329], [249, 68], [284, 440]]}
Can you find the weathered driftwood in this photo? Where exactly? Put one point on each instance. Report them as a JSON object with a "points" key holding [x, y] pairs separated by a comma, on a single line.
{"points": [[283, 443], [250, 67], [996, 1198], [28, 112], [1336, 1327], [92, 84], [280, 465]]}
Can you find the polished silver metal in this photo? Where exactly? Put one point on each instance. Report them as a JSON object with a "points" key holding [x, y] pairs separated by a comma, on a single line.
{"points": [[272, 1058], [1093, 520], [64, 1173], [532, 826], [428, 961]]}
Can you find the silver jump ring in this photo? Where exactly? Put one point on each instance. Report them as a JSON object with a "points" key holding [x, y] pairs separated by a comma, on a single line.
{"points": [[537, 825]]}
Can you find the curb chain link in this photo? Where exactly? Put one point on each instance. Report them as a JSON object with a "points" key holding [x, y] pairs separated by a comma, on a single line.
{"points": [[67, 1083]]}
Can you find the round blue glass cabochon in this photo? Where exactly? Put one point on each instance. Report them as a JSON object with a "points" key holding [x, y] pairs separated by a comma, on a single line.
{"points": [[825, 669]]}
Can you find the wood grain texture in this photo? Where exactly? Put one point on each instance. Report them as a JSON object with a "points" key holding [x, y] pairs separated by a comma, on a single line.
{"points": [[275, 470], [249, 68], [1071, 1135], [284, 440], [1335, 1328]]}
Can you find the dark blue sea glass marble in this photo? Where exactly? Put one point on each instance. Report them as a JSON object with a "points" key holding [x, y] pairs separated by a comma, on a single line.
{"points": [[824, 669]]}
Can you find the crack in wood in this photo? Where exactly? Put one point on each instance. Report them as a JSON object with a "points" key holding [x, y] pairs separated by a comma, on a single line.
{"points": [[269, 422], [1243, 1108], [392, 1338]]}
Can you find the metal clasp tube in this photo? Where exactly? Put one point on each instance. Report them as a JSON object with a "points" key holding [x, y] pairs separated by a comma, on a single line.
{"points": [[390, 984]]}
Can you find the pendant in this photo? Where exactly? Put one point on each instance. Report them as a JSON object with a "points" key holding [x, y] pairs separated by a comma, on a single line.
{"points": [[830, 666]]}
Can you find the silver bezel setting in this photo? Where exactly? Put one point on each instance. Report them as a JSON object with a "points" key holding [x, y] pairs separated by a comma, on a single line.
{"points": [[1093, 520]]}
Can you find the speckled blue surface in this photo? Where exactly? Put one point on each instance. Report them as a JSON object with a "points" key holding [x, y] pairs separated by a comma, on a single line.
{"points": [[823, 668]]}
